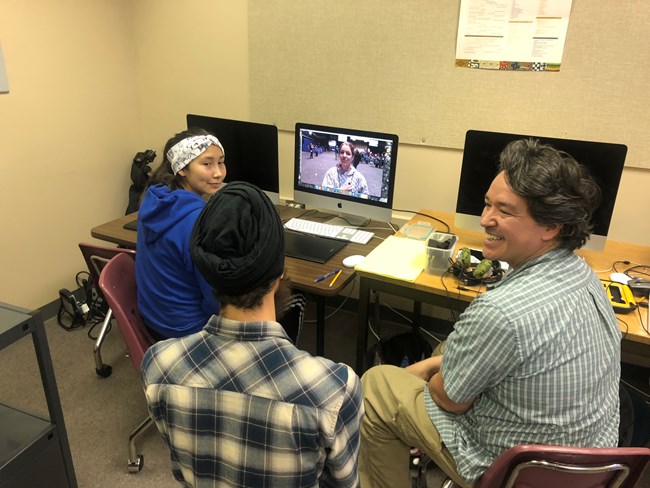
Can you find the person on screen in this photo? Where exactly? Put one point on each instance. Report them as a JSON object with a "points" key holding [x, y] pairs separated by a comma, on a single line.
{"points": [[173, 298], [534, 360], [237, 403], [344, 176]]}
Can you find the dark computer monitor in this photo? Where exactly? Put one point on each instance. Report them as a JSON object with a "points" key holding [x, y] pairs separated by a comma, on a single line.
{"points": [[604, 161], [317, 151], [251, 150]]}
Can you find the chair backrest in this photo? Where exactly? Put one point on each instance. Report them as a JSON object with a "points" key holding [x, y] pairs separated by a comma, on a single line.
{"points": [[96, 258], [538, 466], [117, 282]]}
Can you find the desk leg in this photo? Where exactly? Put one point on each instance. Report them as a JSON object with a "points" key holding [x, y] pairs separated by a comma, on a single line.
{"points": [[320, 325], [362, 326], [417, 315]]}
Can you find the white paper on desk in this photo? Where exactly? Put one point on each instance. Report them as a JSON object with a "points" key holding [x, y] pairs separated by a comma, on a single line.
{"points": [[396, 257]]}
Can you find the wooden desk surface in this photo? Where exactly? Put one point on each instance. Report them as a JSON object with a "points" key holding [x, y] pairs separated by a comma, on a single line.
{"points": [[115, 232], [302, 272], [600, 261]]}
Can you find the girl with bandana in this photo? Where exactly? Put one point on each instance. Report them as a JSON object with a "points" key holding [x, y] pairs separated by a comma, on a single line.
{"points": [[173, 298]]}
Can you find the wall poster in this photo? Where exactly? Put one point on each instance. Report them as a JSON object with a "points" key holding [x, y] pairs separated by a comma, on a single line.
{"points": [[513, 35]]}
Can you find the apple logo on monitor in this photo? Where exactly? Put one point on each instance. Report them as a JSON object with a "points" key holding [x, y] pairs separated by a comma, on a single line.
{"points": [[339, 205]]}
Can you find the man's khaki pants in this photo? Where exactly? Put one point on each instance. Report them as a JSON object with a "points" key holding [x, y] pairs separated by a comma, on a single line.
{"points": [[395, 421]]}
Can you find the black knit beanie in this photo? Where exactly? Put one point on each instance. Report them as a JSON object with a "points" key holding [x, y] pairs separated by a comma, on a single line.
{"points": [[237, 242]]}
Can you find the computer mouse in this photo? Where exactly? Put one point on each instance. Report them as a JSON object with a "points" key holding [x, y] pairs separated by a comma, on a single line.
{"points": [[352, 261], [620, 278]]}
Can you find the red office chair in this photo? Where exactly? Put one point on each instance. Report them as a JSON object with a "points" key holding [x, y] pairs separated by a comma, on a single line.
{"points": [[539, 466], [117, 282], [96, 258]]}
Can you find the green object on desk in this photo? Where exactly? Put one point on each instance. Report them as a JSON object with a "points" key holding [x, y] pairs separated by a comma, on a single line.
{"points": [[482, 268], [465, 258]]}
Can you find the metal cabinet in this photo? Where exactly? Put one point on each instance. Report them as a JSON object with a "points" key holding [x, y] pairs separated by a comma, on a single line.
{"points": [[34, 451]]}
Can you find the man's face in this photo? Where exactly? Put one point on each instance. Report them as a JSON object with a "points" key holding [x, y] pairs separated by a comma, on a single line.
{"points": [[511, 233]]}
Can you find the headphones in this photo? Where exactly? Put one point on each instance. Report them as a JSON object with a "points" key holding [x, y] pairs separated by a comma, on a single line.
{"points": [[484, 273]]}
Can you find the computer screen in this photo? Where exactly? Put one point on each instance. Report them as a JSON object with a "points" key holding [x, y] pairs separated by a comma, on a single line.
{"points": [[347, 171], [604, 161], [251, 151]]}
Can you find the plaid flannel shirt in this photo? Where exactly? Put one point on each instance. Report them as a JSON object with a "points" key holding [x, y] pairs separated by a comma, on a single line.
{"points": [[239, 405]]}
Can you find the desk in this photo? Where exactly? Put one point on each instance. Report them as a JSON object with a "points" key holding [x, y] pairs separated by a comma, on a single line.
{"points": [[443, 291], [302, 272]]}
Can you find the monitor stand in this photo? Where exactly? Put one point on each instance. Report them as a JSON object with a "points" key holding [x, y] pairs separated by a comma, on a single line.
{"points": [[349, 220]]}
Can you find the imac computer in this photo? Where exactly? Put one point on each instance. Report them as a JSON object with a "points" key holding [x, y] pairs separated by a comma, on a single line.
{"points": [[251, 151], [324, 177], [604, 161]]}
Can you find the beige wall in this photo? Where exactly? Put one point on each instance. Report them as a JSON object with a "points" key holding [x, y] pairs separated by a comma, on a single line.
{"points": [[92, 82], [68, 128], [95, 81], [192, 57]]}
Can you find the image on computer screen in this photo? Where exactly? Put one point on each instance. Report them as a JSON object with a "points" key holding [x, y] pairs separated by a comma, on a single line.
{"points": [[251, 150], [348, 171], [603, 160]]}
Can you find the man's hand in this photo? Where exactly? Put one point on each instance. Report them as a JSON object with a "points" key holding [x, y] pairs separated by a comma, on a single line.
{"points": [[426, 368]]}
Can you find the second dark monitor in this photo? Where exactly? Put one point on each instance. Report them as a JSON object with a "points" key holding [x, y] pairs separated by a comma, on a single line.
{"points": [[251, 150]]}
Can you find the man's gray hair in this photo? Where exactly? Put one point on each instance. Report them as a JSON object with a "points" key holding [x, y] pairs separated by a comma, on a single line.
{"points": [[557, 189]]}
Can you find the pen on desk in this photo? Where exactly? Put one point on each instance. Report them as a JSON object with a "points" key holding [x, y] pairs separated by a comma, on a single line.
{"points": [[326, 275], [335, 278]]}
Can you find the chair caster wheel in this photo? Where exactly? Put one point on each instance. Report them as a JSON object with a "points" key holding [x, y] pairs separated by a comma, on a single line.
{"points": [[105, 371], [137, 465]]}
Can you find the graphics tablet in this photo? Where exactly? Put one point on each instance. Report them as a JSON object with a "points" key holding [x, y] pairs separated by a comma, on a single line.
{"points": [[132, 225], [310, 247]]}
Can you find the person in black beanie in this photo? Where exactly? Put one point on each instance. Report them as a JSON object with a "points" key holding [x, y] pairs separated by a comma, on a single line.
{"points": [[237, 243], [238, 403]]}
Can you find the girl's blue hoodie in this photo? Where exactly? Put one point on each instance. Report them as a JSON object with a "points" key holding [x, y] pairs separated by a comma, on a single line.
{"points": [[173, 298]]}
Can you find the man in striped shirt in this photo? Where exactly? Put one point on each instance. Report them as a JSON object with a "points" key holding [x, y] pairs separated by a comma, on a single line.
{"points": [[535, 360], [237, 403]]}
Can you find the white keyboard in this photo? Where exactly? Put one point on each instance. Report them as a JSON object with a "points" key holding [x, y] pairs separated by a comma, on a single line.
{"points": [[328, 230]]}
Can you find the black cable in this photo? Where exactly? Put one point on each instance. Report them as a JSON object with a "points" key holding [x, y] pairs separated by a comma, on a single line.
{"points": [[284, 221], [448, 295], [634, 266], [618, 262], [426, 215], [80, 283], [636, 270], [626, 326], [643, 326], [641, 392], [95, 323]]}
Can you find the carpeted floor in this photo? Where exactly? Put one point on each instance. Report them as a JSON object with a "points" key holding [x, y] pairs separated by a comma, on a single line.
{"points": [[100, 413]]}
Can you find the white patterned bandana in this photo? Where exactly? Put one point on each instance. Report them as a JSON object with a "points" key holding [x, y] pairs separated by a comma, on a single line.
{"points": [[184, 152]]}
